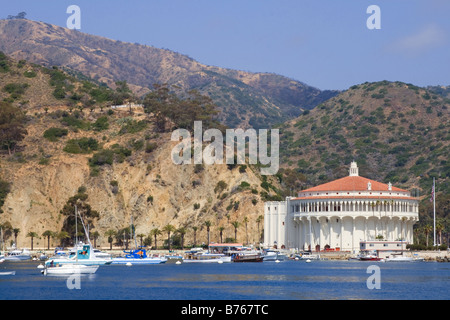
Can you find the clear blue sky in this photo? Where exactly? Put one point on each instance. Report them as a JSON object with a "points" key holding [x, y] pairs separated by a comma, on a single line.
{"points": [[324, 43]]}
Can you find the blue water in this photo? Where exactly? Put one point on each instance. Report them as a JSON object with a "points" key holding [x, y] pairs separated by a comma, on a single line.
{"points": [[288, 280]]}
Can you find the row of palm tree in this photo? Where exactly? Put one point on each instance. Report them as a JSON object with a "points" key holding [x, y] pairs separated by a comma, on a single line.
{"points": [[112, 235], [171, 230]]}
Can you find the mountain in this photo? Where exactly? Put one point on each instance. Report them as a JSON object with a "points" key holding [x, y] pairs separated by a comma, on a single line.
{"points": [[396, 132], [246, 99], [115, 162]]}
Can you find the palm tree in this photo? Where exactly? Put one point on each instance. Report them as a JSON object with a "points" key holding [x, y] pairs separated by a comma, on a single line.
{"points": [[141, 237], [258, 221], [48, 234], [195, 234], [221, 233], [110, 234], [95, 235], [208, 225], [16, 233], [62, 236], [32, 235], [155, 232], [246, 223], [168, 228], [182, 232], [427, 229], [439, 228], [236, 226]]}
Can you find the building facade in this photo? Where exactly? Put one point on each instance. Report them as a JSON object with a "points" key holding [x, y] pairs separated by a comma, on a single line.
{"points": [[339, 214]]}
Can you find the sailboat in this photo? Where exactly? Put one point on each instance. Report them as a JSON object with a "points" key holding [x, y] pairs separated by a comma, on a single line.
{"points": [[138, 255], [82, 254]]}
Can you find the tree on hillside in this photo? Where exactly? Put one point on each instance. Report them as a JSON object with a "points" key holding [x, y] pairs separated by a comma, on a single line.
{"points": [[166, 107], [12, 129], [84, 210], [122, 93]]}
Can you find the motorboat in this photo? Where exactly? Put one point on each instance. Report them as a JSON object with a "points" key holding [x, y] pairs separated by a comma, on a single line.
{"points": [[7, 273], [18, 255], [402, 258], [273, 255], [307, 256], [369, 256], [81, 256], [247, 256], [68, 269], [138, 256], [201, 256], [100, 254]]}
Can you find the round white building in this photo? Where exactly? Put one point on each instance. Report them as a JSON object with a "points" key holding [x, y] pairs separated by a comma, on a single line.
{"points": [[338, 215]]}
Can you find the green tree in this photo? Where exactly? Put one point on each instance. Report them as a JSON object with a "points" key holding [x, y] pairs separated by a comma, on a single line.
{"points": [[236, 225], [169, 229], [12, 129], [48, 234], [62, 236], [110, 234], [155, 233], [84, 210], [208, 228], [194, 228], [258, 221], [16, 233], [221, 233], [32, 235], [246, 231], [182, 231]]}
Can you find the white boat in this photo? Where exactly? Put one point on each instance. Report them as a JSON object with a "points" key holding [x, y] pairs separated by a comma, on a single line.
{"points": [[81, 256], [199, 256], [307, 256], [273, 255], [18, 255], [68, 269], [401, 258], [7, 273]]}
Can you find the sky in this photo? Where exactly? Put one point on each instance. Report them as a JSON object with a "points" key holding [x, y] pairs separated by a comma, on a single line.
{"points": [[323, 43]]}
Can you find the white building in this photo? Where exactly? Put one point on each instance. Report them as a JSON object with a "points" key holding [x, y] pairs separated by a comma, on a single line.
{"points": [[339, 214]]}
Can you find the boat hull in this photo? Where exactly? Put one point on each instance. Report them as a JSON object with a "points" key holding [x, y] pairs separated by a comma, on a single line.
{"points": [[93, 262], [137, 261], [18, 258], [249, 258], [212, 260], [70, 269]]}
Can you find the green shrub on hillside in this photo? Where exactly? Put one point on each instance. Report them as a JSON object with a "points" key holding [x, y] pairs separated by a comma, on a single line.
{"points": [[82, 145], [53, 134]]}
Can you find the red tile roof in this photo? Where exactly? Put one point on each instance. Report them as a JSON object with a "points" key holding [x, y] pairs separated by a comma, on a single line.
{"points": [[351, 183]]}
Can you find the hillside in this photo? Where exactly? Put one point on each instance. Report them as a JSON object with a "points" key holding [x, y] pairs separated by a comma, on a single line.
{"points": [[121, 165], [396, 132], [246, 99]]}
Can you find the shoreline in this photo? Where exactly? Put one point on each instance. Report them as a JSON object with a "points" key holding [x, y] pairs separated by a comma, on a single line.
{"points": [[440, 256]]}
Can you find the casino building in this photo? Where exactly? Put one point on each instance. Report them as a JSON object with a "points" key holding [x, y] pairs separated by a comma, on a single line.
{"points": [[339, 214]]}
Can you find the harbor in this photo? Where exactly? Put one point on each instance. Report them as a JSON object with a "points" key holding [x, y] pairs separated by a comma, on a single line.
{"points": [[286, 280]]}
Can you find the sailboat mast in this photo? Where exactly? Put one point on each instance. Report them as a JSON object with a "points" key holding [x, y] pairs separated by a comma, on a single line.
{"points": [[76, 228], [434, 211]]}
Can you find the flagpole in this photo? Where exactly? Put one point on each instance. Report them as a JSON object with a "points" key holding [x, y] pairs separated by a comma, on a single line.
{"points": [[434, 212]]}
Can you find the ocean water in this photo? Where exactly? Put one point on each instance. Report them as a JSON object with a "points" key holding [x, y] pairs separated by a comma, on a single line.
{"points": [[287, 280]]}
